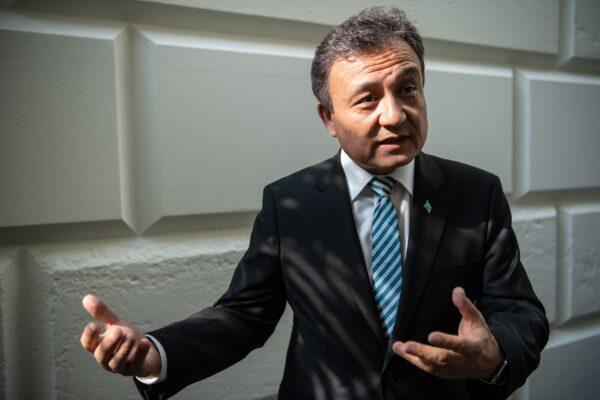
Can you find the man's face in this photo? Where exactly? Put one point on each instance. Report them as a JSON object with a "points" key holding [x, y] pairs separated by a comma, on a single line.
{"points": [[379, 113]]}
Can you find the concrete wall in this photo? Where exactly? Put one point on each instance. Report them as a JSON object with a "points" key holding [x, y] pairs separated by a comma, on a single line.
{"points": [[136, 136]]}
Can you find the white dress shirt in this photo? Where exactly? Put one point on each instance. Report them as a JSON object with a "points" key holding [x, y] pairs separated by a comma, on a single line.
{"points": [[363, 201], [363, 204]]}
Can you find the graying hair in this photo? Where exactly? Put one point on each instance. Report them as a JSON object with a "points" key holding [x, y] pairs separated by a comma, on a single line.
{"points": [[373, 29]]}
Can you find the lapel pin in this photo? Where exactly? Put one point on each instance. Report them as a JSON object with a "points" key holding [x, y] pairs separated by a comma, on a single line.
{"points": [[428, 207]]}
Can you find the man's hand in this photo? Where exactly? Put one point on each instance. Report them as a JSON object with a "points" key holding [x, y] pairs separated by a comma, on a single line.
{"points": [[121, 348], [473, 353]]}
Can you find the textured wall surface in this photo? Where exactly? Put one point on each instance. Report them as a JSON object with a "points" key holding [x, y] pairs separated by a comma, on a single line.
{"points": [[136, 137]]}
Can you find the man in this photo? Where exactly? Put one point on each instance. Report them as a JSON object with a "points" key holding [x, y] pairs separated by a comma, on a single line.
{"points": [[402, 269]]}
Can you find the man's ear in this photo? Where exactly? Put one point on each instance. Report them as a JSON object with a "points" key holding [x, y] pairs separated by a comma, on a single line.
{"points": [[327, 117]]}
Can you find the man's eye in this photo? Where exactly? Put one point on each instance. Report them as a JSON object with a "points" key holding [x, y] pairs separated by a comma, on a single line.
{"points": [[409, 89], [368, 99]]}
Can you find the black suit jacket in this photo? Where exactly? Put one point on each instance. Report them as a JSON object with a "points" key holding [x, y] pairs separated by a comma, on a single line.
{"points": [[304, 249]]}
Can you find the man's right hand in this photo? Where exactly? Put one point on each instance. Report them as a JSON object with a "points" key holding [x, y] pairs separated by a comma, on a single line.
{"points": [[121, 348]]}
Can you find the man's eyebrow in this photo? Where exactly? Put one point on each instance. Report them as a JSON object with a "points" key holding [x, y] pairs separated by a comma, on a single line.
{"points": [[366, 85], [410, 70]]}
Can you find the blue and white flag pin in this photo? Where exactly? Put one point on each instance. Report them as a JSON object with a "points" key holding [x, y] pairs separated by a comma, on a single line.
{"points": [[428, 207]]}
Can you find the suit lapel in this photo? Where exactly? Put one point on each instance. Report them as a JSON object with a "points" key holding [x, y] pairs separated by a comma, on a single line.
{"points": [[425, 231], [334, 215]]}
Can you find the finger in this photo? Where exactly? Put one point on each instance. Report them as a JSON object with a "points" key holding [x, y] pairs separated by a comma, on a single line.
{"points": [[99, 310], [434, 355], [118, 362], [107, 346], [90, 336], [418, 362], [464, 305], [455, 343]]}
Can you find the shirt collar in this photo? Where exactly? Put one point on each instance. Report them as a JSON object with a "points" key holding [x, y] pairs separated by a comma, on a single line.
{"points": [[357, 178]]}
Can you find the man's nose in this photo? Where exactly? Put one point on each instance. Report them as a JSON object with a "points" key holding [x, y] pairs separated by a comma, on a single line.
{"points": [[391, 113]]}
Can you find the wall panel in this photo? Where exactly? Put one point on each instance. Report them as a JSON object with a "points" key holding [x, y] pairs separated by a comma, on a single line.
{"points": [[470, 113], [59, 143], [580, 259], [535, 228], [149, 283], [531, 26], [557, 132], [229, 119], [566, 371]]}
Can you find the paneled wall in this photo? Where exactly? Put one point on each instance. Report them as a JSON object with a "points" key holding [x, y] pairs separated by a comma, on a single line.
{"points": [[136, 137]]}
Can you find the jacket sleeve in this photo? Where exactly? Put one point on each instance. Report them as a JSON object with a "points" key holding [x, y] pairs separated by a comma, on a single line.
{"points": [[241, 320], [513, 312]]}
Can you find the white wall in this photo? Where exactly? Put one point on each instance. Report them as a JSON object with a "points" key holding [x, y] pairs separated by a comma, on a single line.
{"points": [[136, 136]]}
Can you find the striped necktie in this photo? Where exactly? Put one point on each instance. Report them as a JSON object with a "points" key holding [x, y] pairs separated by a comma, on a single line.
{"points": [[386, 254]]}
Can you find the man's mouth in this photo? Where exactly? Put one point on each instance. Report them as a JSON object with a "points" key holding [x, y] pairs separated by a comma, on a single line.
{"points": [[395, 140]]}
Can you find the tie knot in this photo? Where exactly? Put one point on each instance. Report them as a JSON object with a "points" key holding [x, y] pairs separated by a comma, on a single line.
{"points": [[382, 185]]}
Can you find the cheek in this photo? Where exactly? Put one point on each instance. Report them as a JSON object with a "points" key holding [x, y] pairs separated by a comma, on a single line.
{"points": [[360, 129], [418, 117], [421, 112], [358, 144], [424, 124]]}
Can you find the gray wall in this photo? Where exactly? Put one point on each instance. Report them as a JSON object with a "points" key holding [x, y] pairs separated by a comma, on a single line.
{"points": [[136, 136]]}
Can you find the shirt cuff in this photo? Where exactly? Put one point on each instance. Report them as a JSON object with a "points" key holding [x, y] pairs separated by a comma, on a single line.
{"points": [[163, 367]]}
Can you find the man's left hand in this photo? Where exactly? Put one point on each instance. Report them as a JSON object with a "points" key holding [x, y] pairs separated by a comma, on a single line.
{"points": [[473, 353]]}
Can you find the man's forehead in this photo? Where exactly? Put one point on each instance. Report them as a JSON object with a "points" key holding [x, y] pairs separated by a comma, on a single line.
{"points": [[363, 70]]}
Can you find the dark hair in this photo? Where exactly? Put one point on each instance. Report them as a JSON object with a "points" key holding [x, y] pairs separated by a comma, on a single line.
{"points": [[371, 30]]}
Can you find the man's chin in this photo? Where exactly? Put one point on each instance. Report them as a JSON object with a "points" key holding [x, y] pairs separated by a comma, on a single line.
{"points": [[394, 161]]}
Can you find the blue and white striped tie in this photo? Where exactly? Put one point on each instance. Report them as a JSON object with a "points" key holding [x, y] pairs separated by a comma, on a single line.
{"points": [[386, 254]]}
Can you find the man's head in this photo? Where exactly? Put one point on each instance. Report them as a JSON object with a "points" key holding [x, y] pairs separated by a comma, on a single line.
{"points": [[368, 76]]}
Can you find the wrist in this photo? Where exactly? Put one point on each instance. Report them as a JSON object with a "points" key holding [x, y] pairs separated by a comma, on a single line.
{"points": [[153, 374], [156, 360], [497, 375], [496, 359], [499, 363], [489, 372]]}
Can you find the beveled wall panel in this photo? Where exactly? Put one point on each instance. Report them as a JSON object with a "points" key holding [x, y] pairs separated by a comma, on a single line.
{"points": [[557, 132], [142, 283], [531, 25], [536, 232], [567, 370], [229, 118], [470, 116], [580, 259], [580, 30], [59, 142]]}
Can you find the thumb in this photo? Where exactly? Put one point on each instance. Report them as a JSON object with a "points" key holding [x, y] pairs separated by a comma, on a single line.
{"points": [[99, 310], [465, 306]]}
